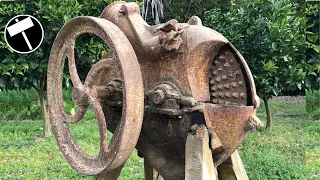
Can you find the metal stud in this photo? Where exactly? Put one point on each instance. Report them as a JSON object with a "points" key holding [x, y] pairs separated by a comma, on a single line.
{"points": [[214, 94], [214, 88], [234, 84], [236, 95], [227, 64], [224, 77]]}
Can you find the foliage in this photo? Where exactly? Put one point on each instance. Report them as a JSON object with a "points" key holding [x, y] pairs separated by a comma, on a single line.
{"points": [[313, 104], [11, 64], [20, 105], [313, 46], [25, 71], [270, 35]]}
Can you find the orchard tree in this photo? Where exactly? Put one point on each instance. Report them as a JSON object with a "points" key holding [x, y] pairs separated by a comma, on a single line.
{"points": [[313, 46], [271, 37], [29, 71]]}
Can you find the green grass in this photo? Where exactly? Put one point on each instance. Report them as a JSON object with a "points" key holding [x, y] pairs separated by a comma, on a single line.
{"points": [[290, 151], [278, 108], [24, 153]]}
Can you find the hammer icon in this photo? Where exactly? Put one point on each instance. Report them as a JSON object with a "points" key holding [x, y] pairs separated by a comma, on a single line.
{"points": [[20, 27]]}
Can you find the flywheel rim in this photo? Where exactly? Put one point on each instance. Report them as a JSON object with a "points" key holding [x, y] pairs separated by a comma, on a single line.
{"points": [[124, 140]]}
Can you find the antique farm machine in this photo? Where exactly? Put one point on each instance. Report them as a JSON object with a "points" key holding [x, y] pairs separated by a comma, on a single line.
{"points": [[157, 87]]}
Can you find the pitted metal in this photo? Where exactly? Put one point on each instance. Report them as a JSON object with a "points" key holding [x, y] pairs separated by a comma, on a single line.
{"points": [[191, 75]]}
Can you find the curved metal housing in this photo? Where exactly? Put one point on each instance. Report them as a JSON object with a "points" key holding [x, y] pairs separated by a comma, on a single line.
{"points": [[185, 83], [191, 74]]}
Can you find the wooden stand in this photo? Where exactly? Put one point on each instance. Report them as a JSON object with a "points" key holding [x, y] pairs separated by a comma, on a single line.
{"points": [[111, 175], [199, 163], [232, 168], [149, 172]]}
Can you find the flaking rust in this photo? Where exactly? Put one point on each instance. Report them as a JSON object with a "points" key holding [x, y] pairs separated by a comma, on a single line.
{"points": [[155, 84]]}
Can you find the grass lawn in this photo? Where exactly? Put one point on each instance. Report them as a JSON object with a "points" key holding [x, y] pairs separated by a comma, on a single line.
{"points": [[291, 151]]}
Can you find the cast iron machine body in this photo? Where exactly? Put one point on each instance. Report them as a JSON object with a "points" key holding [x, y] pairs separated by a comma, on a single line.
{"points": [[153, 85]]}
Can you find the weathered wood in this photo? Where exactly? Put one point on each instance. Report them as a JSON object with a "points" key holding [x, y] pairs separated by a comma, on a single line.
{"points": [[149, 172], [111, 175], [232, 168], [199, 162]]}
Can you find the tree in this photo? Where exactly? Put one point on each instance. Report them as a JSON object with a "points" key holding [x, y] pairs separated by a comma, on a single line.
{"points": [[29, 71], [313, 46], [270, 36]]}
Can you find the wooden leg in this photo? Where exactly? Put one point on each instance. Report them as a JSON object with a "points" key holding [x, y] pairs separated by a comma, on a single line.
{"points": [[149, 172], [232, 168], [199, 162], [111, 175]]}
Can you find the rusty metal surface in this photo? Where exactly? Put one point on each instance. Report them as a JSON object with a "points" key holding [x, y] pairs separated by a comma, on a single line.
{"points": [[124, 140], [186, 69], [229, 123]]}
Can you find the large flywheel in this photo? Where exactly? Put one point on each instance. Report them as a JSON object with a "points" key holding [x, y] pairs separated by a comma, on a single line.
{"points": [[86, 94]]}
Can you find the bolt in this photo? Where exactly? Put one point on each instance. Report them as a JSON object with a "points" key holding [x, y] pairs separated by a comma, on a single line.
{"points": [[252, 124], [158, 97]]}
